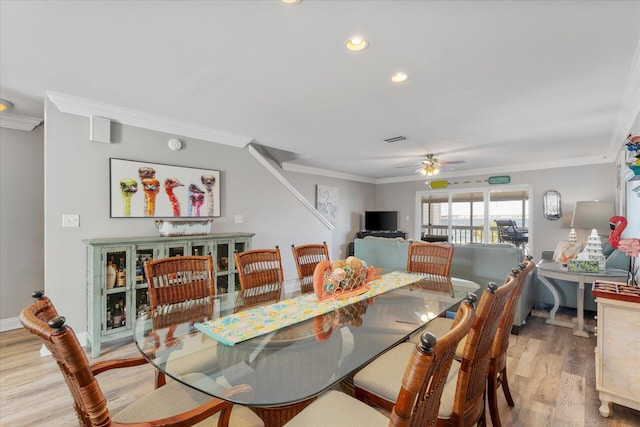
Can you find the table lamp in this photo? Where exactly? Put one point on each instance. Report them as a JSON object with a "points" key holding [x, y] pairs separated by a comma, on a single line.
{"points": [[593, 215]]}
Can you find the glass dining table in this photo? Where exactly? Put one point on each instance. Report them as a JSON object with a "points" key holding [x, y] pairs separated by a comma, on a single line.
{"points": [[294, 363]]}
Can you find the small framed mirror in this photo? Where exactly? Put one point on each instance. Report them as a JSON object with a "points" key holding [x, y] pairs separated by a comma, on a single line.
{"points": [[551, 205]]}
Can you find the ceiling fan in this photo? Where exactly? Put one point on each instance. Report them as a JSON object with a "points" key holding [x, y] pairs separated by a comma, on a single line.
{"points": [[430, 165]]}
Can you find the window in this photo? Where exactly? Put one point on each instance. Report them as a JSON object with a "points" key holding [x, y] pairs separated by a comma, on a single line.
{"points": [[469, 217]]}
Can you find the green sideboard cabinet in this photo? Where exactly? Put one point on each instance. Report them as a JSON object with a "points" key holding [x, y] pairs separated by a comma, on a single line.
{"points": [[117, 288]]}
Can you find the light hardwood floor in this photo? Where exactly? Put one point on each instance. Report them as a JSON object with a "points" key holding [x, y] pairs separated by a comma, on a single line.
{"points": [[551, 374]]}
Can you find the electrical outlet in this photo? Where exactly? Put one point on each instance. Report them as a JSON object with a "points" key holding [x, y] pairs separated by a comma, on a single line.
{"points": [[71, 220]]}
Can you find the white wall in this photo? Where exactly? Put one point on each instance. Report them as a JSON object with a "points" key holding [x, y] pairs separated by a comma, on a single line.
{"points": [[77, 176], [21, 224], [76, 182], [597, 182], [353, 199]]}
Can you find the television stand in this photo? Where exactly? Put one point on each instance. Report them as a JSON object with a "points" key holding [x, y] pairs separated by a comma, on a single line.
{"points": [[387, 234]]}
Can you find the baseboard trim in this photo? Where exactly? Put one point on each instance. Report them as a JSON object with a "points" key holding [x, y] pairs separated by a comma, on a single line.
{"points": [[10, 324]]}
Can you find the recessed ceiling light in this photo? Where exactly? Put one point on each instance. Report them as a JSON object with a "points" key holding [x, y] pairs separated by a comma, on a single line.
{"points": [[356, 44], [398, 77], [291, 1]]}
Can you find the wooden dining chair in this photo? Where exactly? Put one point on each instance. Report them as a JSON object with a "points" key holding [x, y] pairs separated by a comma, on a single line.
{"points": [[306, 258], [497, 375], [173, 281], [258, 267], [182, 278], [417, 393], [463, 399], [429, 258], [171, 404]]}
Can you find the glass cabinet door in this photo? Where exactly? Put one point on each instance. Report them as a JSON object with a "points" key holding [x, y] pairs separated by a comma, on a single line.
{"points": [[240, 246], [141, 294], [116, 272], [178, 250]]}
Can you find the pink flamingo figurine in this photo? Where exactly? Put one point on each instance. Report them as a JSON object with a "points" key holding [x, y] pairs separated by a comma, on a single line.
{"points": [[631, 247]]}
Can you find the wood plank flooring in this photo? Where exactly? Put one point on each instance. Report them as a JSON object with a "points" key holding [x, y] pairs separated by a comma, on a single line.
{"points": [[551, 375]]}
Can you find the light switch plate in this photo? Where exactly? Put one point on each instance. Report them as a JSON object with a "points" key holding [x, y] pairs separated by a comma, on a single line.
{"points": [[71, 220], [238, 219]]}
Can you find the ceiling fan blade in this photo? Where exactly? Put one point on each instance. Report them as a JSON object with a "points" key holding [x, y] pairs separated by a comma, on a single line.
{"points": [[455, 162]]}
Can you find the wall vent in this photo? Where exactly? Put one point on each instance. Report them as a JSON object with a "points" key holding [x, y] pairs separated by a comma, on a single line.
{"points": [[100, 129], [395, 139]]}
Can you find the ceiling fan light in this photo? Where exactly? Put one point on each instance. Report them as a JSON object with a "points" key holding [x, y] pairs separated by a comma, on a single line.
{"points": [[423, 171], [4, 104]]}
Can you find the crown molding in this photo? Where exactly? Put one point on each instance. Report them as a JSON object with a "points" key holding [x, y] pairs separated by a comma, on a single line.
{"points": [[309, 170], [13, 121], [86, 107], [630, 110], [562, 163]]}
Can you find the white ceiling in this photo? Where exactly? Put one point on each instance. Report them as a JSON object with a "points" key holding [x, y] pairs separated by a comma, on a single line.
{"points": [[503, 85]]}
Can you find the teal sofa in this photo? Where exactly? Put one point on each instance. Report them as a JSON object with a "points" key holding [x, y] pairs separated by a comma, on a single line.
{"points": [[480, 263]]}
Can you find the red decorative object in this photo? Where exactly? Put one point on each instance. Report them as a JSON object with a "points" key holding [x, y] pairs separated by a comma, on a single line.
{"points": [[630, 247], [342, 279]]}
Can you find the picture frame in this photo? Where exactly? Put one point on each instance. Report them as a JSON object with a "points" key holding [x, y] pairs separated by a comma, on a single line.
{"points": [[327, 202], [153, 190]]}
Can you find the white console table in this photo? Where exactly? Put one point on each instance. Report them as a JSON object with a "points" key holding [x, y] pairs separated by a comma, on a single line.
{"points": [[547, 269]]}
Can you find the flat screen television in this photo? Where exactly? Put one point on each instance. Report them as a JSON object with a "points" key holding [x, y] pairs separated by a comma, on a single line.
{"points": [[381, 220]]}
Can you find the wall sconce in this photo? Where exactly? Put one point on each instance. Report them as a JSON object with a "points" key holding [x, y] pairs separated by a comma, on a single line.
{"points": [[175, 144], [551, 205]]}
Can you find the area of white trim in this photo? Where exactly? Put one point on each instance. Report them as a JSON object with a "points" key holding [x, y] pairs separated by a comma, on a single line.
{"points": [[14, 121], [630, 109], [10, 324], [255, 153], [559, 163], [291, 167], [555, 163], [86, 107]]}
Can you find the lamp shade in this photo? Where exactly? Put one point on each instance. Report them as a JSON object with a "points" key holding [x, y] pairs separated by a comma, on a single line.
{"points": [[592, 215]]}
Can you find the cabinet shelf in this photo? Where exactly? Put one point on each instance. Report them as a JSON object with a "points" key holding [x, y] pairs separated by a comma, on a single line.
{"points": [[128, 256]]}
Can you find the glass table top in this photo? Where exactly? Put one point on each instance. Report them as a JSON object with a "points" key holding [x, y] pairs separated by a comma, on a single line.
{"points": [[296, 362]]}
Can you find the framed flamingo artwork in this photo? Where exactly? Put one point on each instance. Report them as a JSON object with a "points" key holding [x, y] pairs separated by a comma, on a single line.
{"points": [[151, 190]]}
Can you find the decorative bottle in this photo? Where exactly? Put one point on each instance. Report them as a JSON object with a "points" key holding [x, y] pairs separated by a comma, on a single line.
{"points": [[109, 317], [121, 274], [117, 316], [124, 313], [111, 274], [139, 269]]}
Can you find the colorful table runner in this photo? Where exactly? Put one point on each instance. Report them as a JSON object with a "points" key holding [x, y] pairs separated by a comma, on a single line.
{"points": [[244, 325]]}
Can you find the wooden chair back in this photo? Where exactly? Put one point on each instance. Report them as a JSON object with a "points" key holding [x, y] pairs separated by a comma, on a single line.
{"points": [[497, 375], [258, 267], [427, 370], [501, 340], [469, 400], [429, 258], [42, 320], [177, 279], [306, 258]]}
